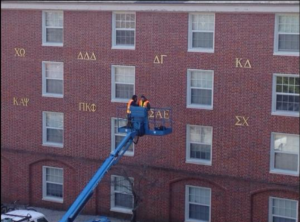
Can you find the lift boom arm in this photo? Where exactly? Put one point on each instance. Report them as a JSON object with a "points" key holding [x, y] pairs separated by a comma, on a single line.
{"points": [[87, 192], [140, 127]]}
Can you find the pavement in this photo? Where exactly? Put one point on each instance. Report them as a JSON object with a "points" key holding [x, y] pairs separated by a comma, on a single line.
{"points": [[55, 216]]}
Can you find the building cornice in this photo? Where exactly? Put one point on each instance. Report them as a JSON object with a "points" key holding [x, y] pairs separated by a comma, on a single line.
{"points": [[159, 6]]}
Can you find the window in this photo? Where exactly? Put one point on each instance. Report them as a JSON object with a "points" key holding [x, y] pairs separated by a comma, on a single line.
{"points": [[123, 36], [199, 144], [285, 95], [286, 40], [53, 79], [200, 89], [198, 204], [53, 184], [201, 32], [283, 210], [123, 79], [53, 28], [117, 137], [285, 153], [121, 194], [53, 129]]}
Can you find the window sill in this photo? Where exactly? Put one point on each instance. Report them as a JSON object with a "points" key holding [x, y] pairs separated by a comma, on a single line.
{"points": [[192, 220], [121, 210], [120, 100], [51, 199], [285, 173], [288, 114], [286, 54], [53, 95], [57, 145], [123, 47], [199, 162], [199, 107], [53, 44], [201, 50]]}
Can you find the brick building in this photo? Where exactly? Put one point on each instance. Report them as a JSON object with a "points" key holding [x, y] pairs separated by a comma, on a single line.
{"points": [[229, 71]]}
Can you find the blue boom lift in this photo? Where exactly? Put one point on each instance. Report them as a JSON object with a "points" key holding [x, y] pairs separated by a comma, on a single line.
{"points": [[159, 119]]}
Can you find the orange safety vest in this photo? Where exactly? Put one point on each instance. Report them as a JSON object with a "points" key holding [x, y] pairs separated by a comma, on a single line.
{"points": [[143, 105], [128, 105]]}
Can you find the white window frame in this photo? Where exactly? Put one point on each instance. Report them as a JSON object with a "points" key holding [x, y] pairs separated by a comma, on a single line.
{"points": [[272, 159], [112, 199], [186, 211], [113, 84], [271, 206], [189, 93], [44, 80], [44, 42], [190, 35], [281, 112], [193, 160], [50, 198], [276, 39], [114, 44], [52, 144], [113, 137]]}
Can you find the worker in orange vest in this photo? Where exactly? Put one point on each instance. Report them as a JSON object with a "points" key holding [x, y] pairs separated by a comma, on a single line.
{"points": [[131, 102], [144, 102]]}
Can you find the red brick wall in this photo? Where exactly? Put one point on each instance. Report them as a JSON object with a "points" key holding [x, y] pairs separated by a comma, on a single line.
{"points": [[239, 153]]}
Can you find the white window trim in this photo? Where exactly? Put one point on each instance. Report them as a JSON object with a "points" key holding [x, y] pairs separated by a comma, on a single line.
{"points": [[113, 137], [45, 197], [44, 93], [190, 35], [114, 45], [276, 52], [186, 211], [271, 205], [188, 159], [272, 159], [274, 111], [44, 43], [45, 143], [112, 200], [113, 85], [194, 106]]}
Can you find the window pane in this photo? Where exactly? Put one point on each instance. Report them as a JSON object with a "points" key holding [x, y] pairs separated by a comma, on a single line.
{"points": [[200, 151], [284, 161], [54, 175], [286, 143], [55, 120], [199, 212], [289, 24], [124, 37], [122, 185], [54, 35], [203, 22], [124, 91], [54, 190], [200, 134], [288, 43], [123, 200], [280, 219], [202, 40], [201, 96], [54, 19], [54, 70], [55, 135], [54, 86]]}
